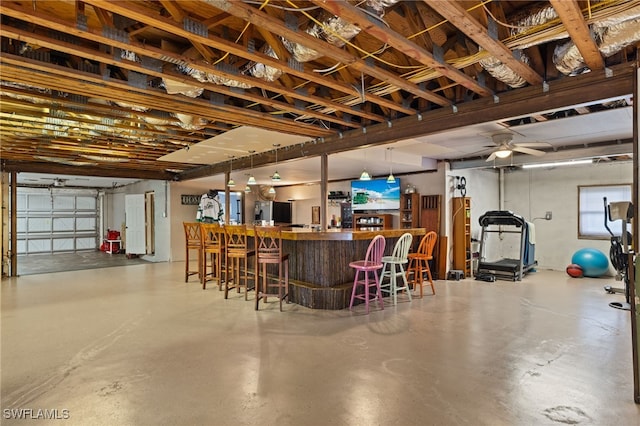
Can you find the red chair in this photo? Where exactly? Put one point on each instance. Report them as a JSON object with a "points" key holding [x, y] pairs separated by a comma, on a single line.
{"points": [[268, 248], [371, 264], [419, 261]]}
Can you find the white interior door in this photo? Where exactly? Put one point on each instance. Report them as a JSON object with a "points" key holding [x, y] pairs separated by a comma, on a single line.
{"points": [[134, 222]]}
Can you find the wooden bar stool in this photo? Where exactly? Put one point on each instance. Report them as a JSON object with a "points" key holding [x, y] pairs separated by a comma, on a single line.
{"points": [[212, 253], [268, 249], [393, 267], [237, 254], [419, 261], [370, 265], [193, 241]]}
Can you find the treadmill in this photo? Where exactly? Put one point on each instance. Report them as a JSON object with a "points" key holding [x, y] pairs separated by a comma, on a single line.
{"points": [[510, 268]]}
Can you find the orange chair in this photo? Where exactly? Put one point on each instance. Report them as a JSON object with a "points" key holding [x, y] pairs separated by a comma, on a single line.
{"points": [[212, 253], [193, 241], [268, 249], [371, 264], [419, 261], [237, 254]]}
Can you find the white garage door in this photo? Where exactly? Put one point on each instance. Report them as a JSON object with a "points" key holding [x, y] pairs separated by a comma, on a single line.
{"points": [[56, 221]]}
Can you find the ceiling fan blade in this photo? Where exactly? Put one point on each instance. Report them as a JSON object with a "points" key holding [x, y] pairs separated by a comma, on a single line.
{"points": [[529, 151], [491, 157], [533, 144]]}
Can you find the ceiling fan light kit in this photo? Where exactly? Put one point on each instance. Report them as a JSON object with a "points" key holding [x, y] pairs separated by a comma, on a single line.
{"points": [[503, 153]]}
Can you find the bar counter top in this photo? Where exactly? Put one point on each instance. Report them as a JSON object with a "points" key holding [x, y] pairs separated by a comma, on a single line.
{"points": [[308, 234]]}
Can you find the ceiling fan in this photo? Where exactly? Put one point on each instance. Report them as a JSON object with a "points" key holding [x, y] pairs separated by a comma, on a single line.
{"points": [[504, 146]]}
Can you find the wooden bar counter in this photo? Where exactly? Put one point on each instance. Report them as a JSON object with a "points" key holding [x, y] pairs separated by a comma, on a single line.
{"points": [[319, 272]]}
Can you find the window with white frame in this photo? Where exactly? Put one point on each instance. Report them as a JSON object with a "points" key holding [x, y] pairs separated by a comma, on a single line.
{"points": [[591, 209]]}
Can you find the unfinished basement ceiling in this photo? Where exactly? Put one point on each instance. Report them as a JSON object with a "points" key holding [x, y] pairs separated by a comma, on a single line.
{"points": [[129, 89]]}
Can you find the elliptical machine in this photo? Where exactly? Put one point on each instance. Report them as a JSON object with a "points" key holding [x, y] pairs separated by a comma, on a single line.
{"points": [[619, 251]]}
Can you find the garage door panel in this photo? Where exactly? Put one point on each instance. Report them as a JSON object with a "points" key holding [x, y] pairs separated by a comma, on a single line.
{"points": [[86, 203], [62, 202], [63, 224], [40, 203], [86, 224], [38, 224], [39, 245], [21, 225], [63, 244], [85, 243], [53, 221]]}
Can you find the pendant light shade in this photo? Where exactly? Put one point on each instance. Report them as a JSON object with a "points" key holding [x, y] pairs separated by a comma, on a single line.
{"points": [[231, 182], [252, 180], [276, 176], [365, 174], [272, 190], [391, 178], [247, 189]]}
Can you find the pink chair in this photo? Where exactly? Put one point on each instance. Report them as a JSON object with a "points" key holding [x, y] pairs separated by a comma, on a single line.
{"points": [[371, 264]]}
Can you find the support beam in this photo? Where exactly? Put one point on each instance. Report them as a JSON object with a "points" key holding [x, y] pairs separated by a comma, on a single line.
{"points": [[571, 16]]}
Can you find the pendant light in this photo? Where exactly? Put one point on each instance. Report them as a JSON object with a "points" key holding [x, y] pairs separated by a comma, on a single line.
{"points": [[391, 178], [365, 174], [276, 175], [252, 180], [271, 190], [231, 182]]}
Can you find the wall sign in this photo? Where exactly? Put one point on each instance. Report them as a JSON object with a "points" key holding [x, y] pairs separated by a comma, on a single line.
{"points": [[190, 200]]}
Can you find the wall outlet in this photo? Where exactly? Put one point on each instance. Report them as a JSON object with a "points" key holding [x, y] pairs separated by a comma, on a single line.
{"points": [[547, 216]]}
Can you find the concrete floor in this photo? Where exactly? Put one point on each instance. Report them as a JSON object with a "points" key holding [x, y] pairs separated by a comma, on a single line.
{"points": [[136, 345], [72, 261]]}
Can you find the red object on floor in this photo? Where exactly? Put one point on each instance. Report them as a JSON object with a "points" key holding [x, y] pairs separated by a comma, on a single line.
{"points": [[574, 270]]}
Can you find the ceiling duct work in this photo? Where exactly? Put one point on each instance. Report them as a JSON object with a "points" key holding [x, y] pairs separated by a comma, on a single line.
{"points": [[567, 58], [332, 29], [610, 39], [177, 87], [266, 72], [205, 77], [498, 70], [189, 122]]}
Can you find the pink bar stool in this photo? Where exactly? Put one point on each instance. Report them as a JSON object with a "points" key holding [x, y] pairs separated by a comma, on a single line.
{"points": [[371, 264]]}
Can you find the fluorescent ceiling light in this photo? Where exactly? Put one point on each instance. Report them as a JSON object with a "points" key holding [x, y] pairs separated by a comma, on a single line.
{"points": [[557, 164]]}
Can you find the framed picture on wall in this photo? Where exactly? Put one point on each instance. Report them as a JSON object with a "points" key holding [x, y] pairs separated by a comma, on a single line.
{"points": [[315, 215]]}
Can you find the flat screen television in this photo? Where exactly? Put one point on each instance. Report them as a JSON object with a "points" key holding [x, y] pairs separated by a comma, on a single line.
{"points": [[375, 194]]}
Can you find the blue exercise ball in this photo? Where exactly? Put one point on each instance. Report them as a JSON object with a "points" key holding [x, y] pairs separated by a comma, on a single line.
{"points": [[593, 262]]}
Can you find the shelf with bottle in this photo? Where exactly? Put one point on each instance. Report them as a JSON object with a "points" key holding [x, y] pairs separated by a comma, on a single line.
{"points": [[409, 210], [371, 221]]}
